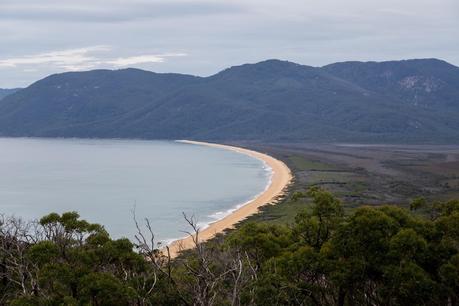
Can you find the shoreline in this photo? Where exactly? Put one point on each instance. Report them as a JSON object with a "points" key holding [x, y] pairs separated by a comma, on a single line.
{"points": [[281, 177]]}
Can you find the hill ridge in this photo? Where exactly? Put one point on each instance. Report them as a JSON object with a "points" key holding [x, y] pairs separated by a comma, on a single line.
{"points": [[273, 100]]}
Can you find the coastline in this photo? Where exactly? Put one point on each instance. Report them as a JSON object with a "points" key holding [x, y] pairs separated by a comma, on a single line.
{"points": [[281, 178]]}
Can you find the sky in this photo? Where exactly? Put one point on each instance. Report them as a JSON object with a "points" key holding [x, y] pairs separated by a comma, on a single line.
{"points": [[202, 37]]}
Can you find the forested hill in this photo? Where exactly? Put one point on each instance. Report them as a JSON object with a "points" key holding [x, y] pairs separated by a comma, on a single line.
{"points": [[399, 101], [7, 92]]}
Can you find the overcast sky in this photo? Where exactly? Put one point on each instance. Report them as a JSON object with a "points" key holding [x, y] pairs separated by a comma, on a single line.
{"points": [[201, 37]]}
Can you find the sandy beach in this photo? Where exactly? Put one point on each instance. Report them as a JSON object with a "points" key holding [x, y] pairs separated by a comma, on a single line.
{"points": [[281, 178]]}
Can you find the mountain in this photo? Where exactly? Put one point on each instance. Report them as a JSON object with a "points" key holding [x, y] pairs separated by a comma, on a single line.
{"points": [[7, 92], [62, 102], [421, 83], [403, 101]]}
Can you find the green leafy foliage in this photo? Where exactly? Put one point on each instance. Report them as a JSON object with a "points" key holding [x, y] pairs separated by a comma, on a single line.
{"points": [[373, 256]]}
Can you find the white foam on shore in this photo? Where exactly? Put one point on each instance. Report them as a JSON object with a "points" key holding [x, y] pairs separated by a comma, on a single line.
{"points": [[222, 214], [217, 216]]}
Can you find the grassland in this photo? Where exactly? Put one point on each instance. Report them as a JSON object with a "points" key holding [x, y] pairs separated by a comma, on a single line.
{"points": [[364, 174]]}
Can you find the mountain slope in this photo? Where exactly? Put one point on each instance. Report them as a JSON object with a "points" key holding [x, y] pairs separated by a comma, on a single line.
{"points": [[413, 101], [7, 92], [75, 98], [423, 83]]}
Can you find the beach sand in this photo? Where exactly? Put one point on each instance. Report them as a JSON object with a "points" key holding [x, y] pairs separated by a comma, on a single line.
{"points": [[281, 178]]}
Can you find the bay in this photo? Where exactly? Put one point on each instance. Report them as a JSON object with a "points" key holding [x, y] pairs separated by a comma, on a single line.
{"points": [[106, 180]]}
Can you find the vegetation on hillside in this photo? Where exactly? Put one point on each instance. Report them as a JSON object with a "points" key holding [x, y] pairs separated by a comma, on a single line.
{"points": [[6, 92], [415, 101], [372, 256]]}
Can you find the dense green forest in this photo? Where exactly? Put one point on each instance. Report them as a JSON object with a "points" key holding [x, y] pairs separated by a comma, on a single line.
{"points": [[379, 255], [412, 101]]}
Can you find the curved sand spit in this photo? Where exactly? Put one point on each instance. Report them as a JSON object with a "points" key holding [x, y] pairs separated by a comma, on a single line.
{"points": [[281, 178]]}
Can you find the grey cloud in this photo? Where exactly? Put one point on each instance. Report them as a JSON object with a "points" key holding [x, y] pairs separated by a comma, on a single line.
{"points": [[220, 33], [117, 13]]}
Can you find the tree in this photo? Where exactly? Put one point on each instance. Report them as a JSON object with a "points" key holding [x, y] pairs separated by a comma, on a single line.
{"points": [[417, 203], [372, 256], [316, 225]]}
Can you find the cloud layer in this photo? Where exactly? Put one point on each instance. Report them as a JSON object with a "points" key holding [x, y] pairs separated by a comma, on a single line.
{"points": [[51, 36], [82, 59]]}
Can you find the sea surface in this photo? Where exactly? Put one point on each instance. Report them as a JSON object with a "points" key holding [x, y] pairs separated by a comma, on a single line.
{"points": [[106, 181]]}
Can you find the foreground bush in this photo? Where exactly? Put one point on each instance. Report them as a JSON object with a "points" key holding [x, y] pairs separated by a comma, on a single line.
{"points": [[373, 256]]}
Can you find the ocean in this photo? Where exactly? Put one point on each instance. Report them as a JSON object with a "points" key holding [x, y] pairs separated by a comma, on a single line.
{"points": [[108, 181]]}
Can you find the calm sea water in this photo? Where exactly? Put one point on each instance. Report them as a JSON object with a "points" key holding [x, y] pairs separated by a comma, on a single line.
{"points": [[105, 180]]}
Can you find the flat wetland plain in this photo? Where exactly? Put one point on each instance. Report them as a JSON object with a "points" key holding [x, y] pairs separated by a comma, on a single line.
{"points": [[363, 174]]}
